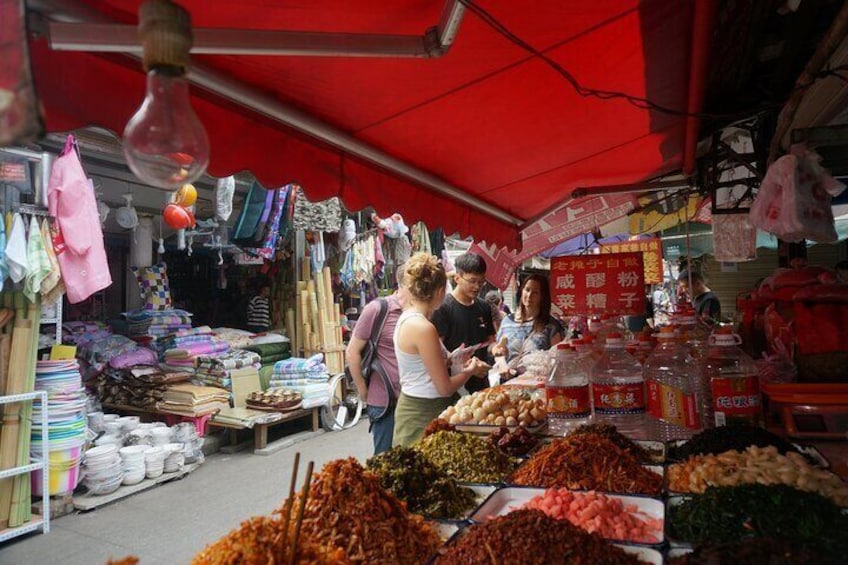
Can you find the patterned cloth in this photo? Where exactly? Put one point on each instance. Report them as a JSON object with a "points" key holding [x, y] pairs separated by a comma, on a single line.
{"points": [[38, 263], [52, 287], [299, 364], [272, 228], [154, 287], [323, 216], [235, 359]]}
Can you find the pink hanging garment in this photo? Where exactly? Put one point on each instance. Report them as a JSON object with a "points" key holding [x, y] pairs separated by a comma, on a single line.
{"points": [[79, 243]]}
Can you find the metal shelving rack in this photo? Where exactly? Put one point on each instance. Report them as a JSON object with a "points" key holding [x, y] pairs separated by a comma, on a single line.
{"points": [[36, 522], [57, 319]]}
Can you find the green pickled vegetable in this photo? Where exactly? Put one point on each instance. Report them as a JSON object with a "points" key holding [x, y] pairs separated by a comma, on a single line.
{"points": [[727, 514], [466, 457], [408, 475]]}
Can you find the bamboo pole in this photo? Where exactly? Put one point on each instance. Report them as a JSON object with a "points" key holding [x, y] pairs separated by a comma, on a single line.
{"points": [[291, 329], [21, 375]]}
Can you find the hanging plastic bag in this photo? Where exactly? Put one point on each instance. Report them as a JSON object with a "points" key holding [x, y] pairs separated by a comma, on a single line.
{"points": [[793, 202], [224, 191], [768, 207], [734, 238]]}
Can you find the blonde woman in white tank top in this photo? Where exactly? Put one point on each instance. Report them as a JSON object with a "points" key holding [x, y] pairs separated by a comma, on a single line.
{"points": [[426, 386]]}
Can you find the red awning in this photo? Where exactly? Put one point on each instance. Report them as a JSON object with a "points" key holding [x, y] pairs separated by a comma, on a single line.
{"points": [[488, 118]]}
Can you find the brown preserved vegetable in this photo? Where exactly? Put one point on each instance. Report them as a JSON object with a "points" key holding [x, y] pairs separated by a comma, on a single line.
{"points": [[587, 462], [529, 537]]}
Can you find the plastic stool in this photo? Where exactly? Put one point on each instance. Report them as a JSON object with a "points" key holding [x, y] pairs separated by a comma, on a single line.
{"points": [[198, 421]]}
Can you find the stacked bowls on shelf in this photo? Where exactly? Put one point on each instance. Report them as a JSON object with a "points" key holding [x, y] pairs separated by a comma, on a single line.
{"points": [[132, 461], [66, 425], [154, 460], [102, 470]]}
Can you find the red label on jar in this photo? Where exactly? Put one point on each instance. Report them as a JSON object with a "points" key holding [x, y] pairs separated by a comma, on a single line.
{"points": [[736, 398], [567, 401], [673, 405], [619, 399]]}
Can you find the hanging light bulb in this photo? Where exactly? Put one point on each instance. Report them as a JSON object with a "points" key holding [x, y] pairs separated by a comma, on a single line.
{"points": [[165, 143], [161, 249]]}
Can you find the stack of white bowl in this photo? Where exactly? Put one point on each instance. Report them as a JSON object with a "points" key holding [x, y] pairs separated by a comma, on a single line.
{"points": [[161, 436], [128, 423], [175, 458], [133, 462], [96, 422], [154, 460], [102, 469], [139, 436]]}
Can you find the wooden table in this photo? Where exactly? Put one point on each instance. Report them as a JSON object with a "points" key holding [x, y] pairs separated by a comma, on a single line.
{"points": [[260, 431]]}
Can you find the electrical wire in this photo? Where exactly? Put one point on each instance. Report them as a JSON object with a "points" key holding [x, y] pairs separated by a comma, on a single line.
{"points": [[637, 101]]}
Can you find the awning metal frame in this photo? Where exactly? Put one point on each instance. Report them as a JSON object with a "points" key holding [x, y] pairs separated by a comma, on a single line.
{"points": [[95, 37]]}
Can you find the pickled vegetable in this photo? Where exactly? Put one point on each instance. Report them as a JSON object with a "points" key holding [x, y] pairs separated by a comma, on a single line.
{"points": [[466, 457], [408, 475]]}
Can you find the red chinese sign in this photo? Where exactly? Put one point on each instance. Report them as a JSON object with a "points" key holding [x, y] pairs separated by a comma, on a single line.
{"points": [[594, 284], [651, 250]]}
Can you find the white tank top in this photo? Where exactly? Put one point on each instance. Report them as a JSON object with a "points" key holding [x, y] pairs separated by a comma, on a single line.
{"points": [[414, 380]]}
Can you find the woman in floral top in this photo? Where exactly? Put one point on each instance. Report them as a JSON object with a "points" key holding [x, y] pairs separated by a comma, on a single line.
{"points": [[531, 327]]}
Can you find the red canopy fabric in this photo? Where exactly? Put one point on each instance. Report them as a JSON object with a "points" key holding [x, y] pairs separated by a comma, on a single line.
{"points": [[488, 117]]}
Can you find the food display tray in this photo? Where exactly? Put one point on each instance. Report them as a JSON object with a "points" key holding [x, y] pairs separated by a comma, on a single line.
{"points": [[655, 449], [646, 554], [812, 452], [485, 429], [481, 493], [504, 500], [670, 503]]}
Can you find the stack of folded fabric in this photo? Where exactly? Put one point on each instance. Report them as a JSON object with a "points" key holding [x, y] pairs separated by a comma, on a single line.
{"points": [[136, 386], [156, 323], [237, 339], [308, 376], [186, 355], [217, 370], [192, 400], [269, 354], [96, 350], [176, 340]]}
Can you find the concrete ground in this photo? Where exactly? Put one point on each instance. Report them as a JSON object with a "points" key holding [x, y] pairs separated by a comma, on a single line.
{"points": [[169, 523]]}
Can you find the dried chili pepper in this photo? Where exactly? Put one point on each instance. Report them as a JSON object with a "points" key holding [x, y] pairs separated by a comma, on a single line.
{"points": [[347, 508], [260, 541], [587, 462]]}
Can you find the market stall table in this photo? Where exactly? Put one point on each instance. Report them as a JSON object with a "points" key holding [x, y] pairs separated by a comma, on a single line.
{"points": [[260, 430]]}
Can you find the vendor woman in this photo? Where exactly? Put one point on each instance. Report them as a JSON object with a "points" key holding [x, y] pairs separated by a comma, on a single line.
{"points": [[531, 327], [426, 387]]}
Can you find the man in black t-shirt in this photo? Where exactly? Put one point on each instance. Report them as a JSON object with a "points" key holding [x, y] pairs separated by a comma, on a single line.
{"points": [[464, 318], [705, 301]]}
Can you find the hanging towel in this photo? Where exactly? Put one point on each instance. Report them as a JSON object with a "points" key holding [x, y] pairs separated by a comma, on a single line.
{"points": [[16, 250], [52, 286], [38, 263], [4, 268], [251, 213], [79, 241]]}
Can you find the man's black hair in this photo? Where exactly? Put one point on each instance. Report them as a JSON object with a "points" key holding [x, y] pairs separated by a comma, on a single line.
{"points": [[470, 263]]}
